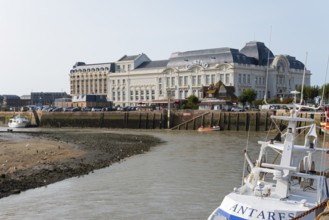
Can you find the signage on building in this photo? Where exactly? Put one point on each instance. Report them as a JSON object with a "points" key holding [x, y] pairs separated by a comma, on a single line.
{"points": [[197, 63]]}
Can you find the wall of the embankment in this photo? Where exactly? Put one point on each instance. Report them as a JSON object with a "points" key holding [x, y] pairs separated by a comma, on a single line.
{"points": [[180, 120]]}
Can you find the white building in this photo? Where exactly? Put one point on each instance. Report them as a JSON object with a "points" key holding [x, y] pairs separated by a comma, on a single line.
{"points": [[134, 80]]}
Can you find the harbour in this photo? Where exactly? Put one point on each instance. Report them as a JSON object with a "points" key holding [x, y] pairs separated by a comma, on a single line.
{"points": [[182, 178]]}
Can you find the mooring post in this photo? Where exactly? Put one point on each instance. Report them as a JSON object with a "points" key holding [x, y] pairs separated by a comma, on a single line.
{"points": [[229, 122], [247, 121], [266, 121], [140, 120]]}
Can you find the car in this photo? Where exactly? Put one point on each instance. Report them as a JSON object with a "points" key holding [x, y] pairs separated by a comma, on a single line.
{"points": [[236, 109]]}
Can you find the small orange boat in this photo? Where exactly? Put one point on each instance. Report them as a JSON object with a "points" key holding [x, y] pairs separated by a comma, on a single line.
{"points": [[324, 127], [325, 124], [214, 128]]}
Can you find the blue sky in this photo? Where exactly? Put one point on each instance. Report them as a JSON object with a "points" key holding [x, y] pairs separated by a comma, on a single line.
{"points": [[42, 39]]}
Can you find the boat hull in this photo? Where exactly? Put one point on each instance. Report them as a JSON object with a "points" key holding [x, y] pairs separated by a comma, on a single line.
{"points": [[325, 127], [18, 122], [216, 128], [235, 207]]}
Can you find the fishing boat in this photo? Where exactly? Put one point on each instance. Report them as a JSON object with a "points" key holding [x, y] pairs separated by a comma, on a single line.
{"points": [[213, 128], [288, 179], [18, 121]]}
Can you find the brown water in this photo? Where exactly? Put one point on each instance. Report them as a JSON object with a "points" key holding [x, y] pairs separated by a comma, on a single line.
{"points": [[184, 178]]}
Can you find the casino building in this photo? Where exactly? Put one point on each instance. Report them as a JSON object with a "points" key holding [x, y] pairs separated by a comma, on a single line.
{"points": [[136, 80]]}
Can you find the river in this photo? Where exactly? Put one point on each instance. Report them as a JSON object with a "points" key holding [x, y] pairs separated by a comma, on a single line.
{"points": [[186, 177]]}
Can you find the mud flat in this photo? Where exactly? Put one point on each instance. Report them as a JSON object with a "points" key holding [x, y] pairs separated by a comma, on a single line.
{"points": [[30, 160]]}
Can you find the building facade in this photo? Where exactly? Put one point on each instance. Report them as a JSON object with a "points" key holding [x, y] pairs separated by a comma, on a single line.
{"points": [[46, 98], [136, 80]]}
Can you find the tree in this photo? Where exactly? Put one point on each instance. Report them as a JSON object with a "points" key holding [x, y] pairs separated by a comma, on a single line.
{"points": [[192, 102], [309, 92], [247, 95]]}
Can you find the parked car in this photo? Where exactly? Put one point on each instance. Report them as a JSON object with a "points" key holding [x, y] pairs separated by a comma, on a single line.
{"points": [[237, 109]]}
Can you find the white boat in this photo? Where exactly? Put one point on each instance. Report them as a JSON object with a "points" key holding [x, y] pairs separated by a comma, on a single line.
{"points": [[288, 183], [213, 128], [18, 121]]}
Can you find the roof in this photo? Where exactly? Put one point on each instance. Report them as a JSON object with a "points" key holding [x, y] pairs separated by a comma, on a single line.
{"points": [[154, 64], [209, 56], [294, 64], [258, 51], [126, 58]]}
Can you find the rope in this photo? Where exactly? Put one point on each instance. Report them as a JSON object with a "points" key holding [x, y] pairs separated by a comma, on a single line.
{"points": [[322, 204]]}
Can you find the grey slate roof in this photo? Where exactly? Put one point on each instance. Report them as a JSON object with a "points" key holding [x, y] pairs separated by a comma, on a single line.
{"points": [[209, 56], [295, 64], [126, 58], [258, 51], [154, 64]]}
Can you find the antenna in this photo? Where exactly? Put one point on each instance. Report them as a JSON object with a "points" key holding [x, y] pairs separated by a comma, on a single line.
{"points": [[268, 60], [301, 93]]}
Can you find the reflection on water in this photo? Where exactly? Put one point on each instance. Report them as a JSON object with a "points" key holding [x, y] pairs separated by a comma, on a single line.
{"points": [[184, 178]]}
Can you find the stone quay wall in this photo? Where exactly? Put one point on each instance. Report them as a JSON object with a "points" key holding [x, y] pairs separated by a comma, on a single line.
{"points": [[179, 119]]}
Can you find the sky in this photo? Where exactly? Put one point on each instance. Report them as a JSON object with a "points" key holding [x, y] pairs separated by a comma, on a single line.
{"points": [[40, 40]]}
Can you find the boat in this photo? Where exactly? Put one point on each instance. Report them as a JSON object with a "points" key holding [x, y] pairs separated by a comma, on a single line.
{"points": [[324, 127], [288, 179], [18, 121], [213, 128]]}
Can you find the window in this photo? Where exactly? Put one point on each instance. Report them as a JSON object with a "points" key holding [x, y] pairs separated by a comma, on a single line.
{"points": [[185, 80], [227, 78], [193, 80], [207, 79], [239, 78], [199, 80], [168, 81], [221, 77], [180, 80], [113, 96], [185, 95], [212, 78], [180, 94], [172, 81], [129, 67], [248, 78], [123, 81], [244, 78]]}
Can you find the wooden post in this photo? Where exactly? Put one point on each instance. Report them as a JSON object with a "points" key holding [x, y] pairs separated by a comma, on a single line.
{"points": [[153, 121], [257, 121], [186, 126], [229, 122], [161, 121], [140, 120], [266, 121], [211, 119], [147, 120], [238, 122], [247, 121], [194, 124]]}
